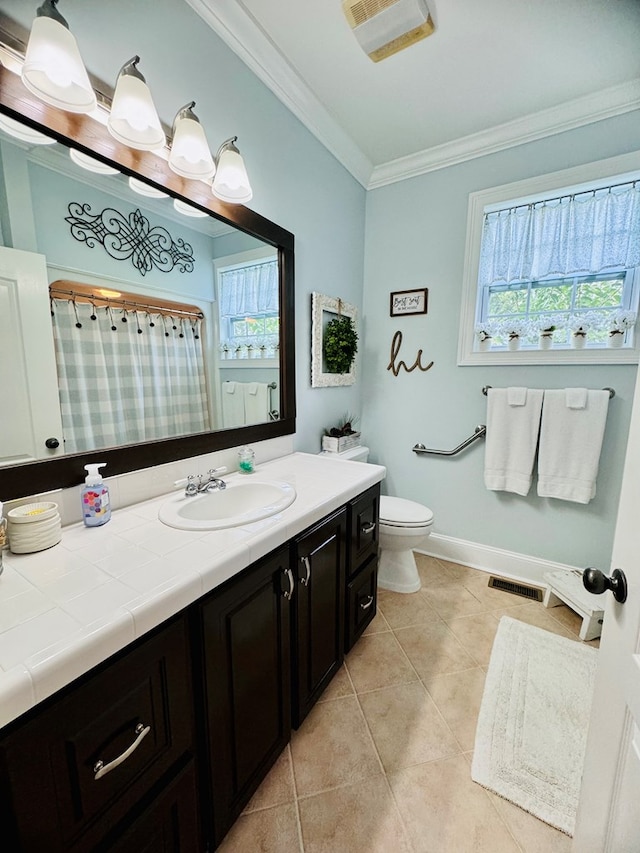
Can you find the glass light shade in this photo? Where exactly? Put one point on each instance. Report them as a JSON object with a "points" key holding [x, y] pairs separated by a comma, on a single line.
{"points": [[23, 133], [231, 182], [187, 209], [91, 164], [53, 69], [145, 189], [133, 119], [190, 155]]}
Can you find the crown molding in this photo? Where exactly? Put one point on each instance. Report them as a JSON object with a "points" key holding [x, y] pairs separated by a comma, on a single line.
{"points": [[238, 29], [613, 101]]}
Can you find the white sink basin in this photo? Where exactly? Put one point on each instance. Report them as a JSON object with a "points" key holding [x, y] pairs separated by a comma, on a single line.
{"points": [[243, 501]]}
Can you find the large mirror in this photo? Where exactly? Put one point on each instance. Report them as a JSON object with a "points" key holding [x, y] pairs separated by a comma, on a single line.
{"points": [[141, 319]]}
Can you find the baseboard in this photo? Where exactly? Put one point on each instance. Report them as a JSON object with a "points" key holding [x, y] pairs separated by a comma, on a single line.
{"points": [[507, 564]]}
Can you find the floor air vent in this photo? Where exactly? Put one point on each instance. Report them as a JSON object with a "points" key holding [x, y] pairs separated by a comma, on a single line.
{"points": [[516, 588]]}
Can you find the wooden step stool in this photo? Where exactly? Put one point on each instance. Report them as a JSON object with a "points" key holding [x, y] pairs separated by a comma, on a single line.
{"points": [[566, 588]]}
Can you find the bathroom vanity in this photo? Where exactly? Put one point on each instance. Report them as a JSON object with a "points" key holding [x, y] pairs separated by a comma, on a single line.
{"points": [[161, 746]]}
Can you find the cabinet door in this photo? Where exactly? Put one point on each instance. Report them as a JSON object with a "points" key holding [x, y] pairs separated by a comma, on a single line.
{"points": [[364, 514], [247, 682], [361, 602], [133, 718], [320, 556]]}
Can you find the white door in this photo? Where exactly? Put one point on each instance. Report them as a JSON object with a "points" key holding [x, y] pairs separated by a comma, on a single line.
{"points": [[29, 403], [608, 818]]}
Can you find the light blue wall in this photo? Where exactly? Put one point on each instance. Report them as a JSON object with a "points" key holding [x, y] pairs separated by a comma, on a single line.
{"points": [[296, 182], [415, 237]]}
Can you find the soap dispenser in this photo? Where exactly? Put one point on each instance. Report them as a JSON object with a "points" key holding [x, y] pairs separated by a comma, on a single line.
{"points": [[96, 508]]}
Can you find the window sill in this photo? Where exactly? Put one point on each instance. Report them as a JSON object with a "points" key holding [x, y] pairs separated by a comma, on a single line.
{"points": [[247, 363], [627, 355]]}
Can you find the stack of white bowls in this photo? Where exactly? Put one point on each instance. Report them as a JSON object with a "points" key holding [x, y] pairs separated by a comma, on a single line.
{"points": [[33, 527]]}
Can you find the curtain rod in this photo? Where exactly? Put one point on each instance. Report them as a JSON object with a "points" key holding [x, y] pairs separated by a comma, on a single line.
{"points": [[543, 201], [150, 308]]}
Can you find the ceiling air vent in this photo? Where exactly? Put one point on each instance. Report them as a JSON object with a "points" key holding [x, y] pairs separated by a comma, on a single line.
{"points": [[384, 27]]}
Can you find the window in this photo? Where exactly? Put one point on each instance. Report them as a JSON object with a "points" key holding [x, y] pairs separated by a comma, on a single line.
{"points": [[552, 267], [249, 308]]}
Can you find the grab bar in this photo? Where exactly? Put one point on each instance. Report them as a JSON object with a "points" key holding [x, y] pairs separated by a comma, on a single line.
{"points": [[479, 432]]}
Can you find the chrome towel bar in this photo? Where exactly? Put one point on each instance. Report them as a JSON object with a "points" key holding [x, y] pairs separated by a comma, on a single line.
{"points": [[479, 432], [612, 391]]}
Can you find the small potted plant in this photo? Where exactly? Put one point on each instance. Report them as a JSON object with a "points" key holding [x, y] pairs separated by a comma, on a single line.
{"points": [[546, 326], [484, 334], [618, 323], [514, 329], [579, 326]]}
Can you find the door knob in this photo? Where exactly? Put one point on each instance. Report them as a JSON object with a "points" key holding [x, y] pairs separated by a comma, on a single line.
{"points": [[52, 443], [595, 581]]}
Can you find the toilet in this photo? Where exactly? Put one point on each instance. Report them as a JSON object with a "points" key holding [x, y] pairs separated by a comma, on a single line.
{"points": [[404, 525]]}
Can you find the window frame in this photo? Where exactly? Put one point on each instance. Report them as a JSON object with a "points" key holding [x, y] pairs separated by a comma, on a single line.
{"points": [[616, 169]]}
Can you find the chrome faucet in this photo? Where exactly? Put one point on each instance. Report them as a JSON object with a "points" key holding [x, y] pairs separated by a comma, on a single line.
{"points": [[202, 483]]}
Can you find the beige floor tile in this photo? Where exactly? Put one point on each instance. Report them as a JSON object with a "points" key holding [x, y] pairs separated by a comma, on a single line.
{"points": [[277, 788], [333, 747], [359, 818], [532, 834], [406, 726], [476, 633], [433, 649], [339, 686], [536, 614], [269, 831], [452, 601], [403, 609], [445, 812], [456, 571], [432, 572], [378, 661], [458, 697], [378, 625]]}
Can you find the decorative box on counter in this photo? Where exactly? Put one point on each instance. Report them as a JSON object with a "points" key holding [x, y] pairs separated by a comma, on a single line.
{"points": [[334, 444]]}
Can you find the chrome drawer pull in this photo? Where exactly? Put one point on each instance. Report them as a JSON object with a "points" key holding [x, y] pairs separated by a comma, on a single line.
{"points": [[305, 562], [365, 605], [101, 769], [368, 528], [288, 593]]}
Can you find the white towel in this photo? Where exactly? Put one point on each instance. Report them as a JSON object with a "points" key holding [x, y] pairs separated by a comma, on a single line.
{"points": [[232, 405], [256, 402], [512, 436], [576, 398], [516, 396], [570, 444]]}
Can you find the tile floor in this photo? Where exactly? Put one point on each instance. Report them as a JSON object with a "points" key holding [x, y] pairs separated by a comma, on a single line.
{"points": [[382, 763]]}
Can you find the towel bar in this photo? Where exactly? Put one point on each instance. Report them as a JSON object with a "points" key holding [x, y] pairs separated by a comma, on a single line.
{"points": [[479, 432], [612, 391]]}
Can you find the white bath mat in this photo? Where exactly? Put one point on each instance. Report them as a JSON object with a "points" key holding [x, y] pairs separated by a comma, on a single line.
{"points": [[532, 727]]}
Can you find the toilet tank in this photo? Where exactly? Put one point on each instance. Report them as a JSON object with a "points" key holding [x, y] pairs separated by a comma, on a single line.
{"points": [[355, 454]]}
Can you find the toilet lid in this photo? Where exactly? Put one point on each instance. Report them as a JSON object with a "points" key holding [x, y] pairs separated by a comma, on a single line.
{"points": [[401, 512]]}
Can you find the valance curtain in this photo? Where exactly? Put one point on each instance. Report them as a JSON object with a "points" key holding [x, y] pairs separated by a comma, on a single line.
{"points": [[249, 290], [583, 234], [125, 386]]}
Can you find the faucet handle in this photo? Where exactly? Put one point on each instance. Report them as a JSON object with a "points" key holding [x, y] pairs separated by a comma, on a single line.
{"points": [[213, 472]]}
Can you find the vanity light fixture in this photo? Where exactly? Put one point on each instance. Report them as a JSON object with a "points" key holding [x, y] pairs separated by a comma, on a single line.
{"points": [[91, 164], [145, 189], [23, 133], [53, 69], [190, 156], [187, 209], [133, 119], [231, 182]]}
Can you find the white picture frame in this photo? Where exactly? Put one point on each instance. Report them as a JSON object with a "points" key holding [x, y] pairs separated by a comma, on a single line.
{"points": [[324, 309]]}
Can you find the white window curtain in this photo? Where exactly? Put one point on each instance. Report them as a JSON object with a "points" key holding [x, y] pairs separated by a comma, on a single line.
{"points": [[143, 381], [586, 233], [249, 290]]}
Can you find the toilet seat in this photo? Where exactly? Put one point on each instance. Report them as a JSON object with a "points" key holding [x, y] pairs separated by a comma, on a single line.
{"points": [[400, 512]]}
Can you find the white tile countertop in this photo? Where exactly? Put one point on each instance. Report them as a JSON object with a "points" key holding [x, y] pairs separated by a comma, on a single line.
{"points": [[66, 609]]}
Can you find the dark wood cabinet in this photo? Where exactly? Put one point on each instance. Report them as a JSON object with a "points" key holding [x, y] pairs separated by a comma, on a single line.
{"points": [[76, 769], [319, 561], [246, 673], [362, 567]]}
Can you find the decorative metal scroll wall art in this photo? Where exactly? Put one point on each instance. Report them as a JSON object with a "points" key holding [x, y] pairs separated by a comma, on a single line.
{"points": [[131, 236]]}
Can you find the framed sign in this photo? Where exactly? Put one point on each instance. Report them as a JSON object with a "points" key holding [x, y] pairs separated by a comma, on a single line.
{"points": [[408, 302]]}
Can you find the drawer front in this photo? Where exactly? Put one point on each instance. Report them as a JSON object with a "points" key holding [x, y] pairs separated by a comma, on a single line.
{"points": [[364, 514], [361, 601], [93, 754]]}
